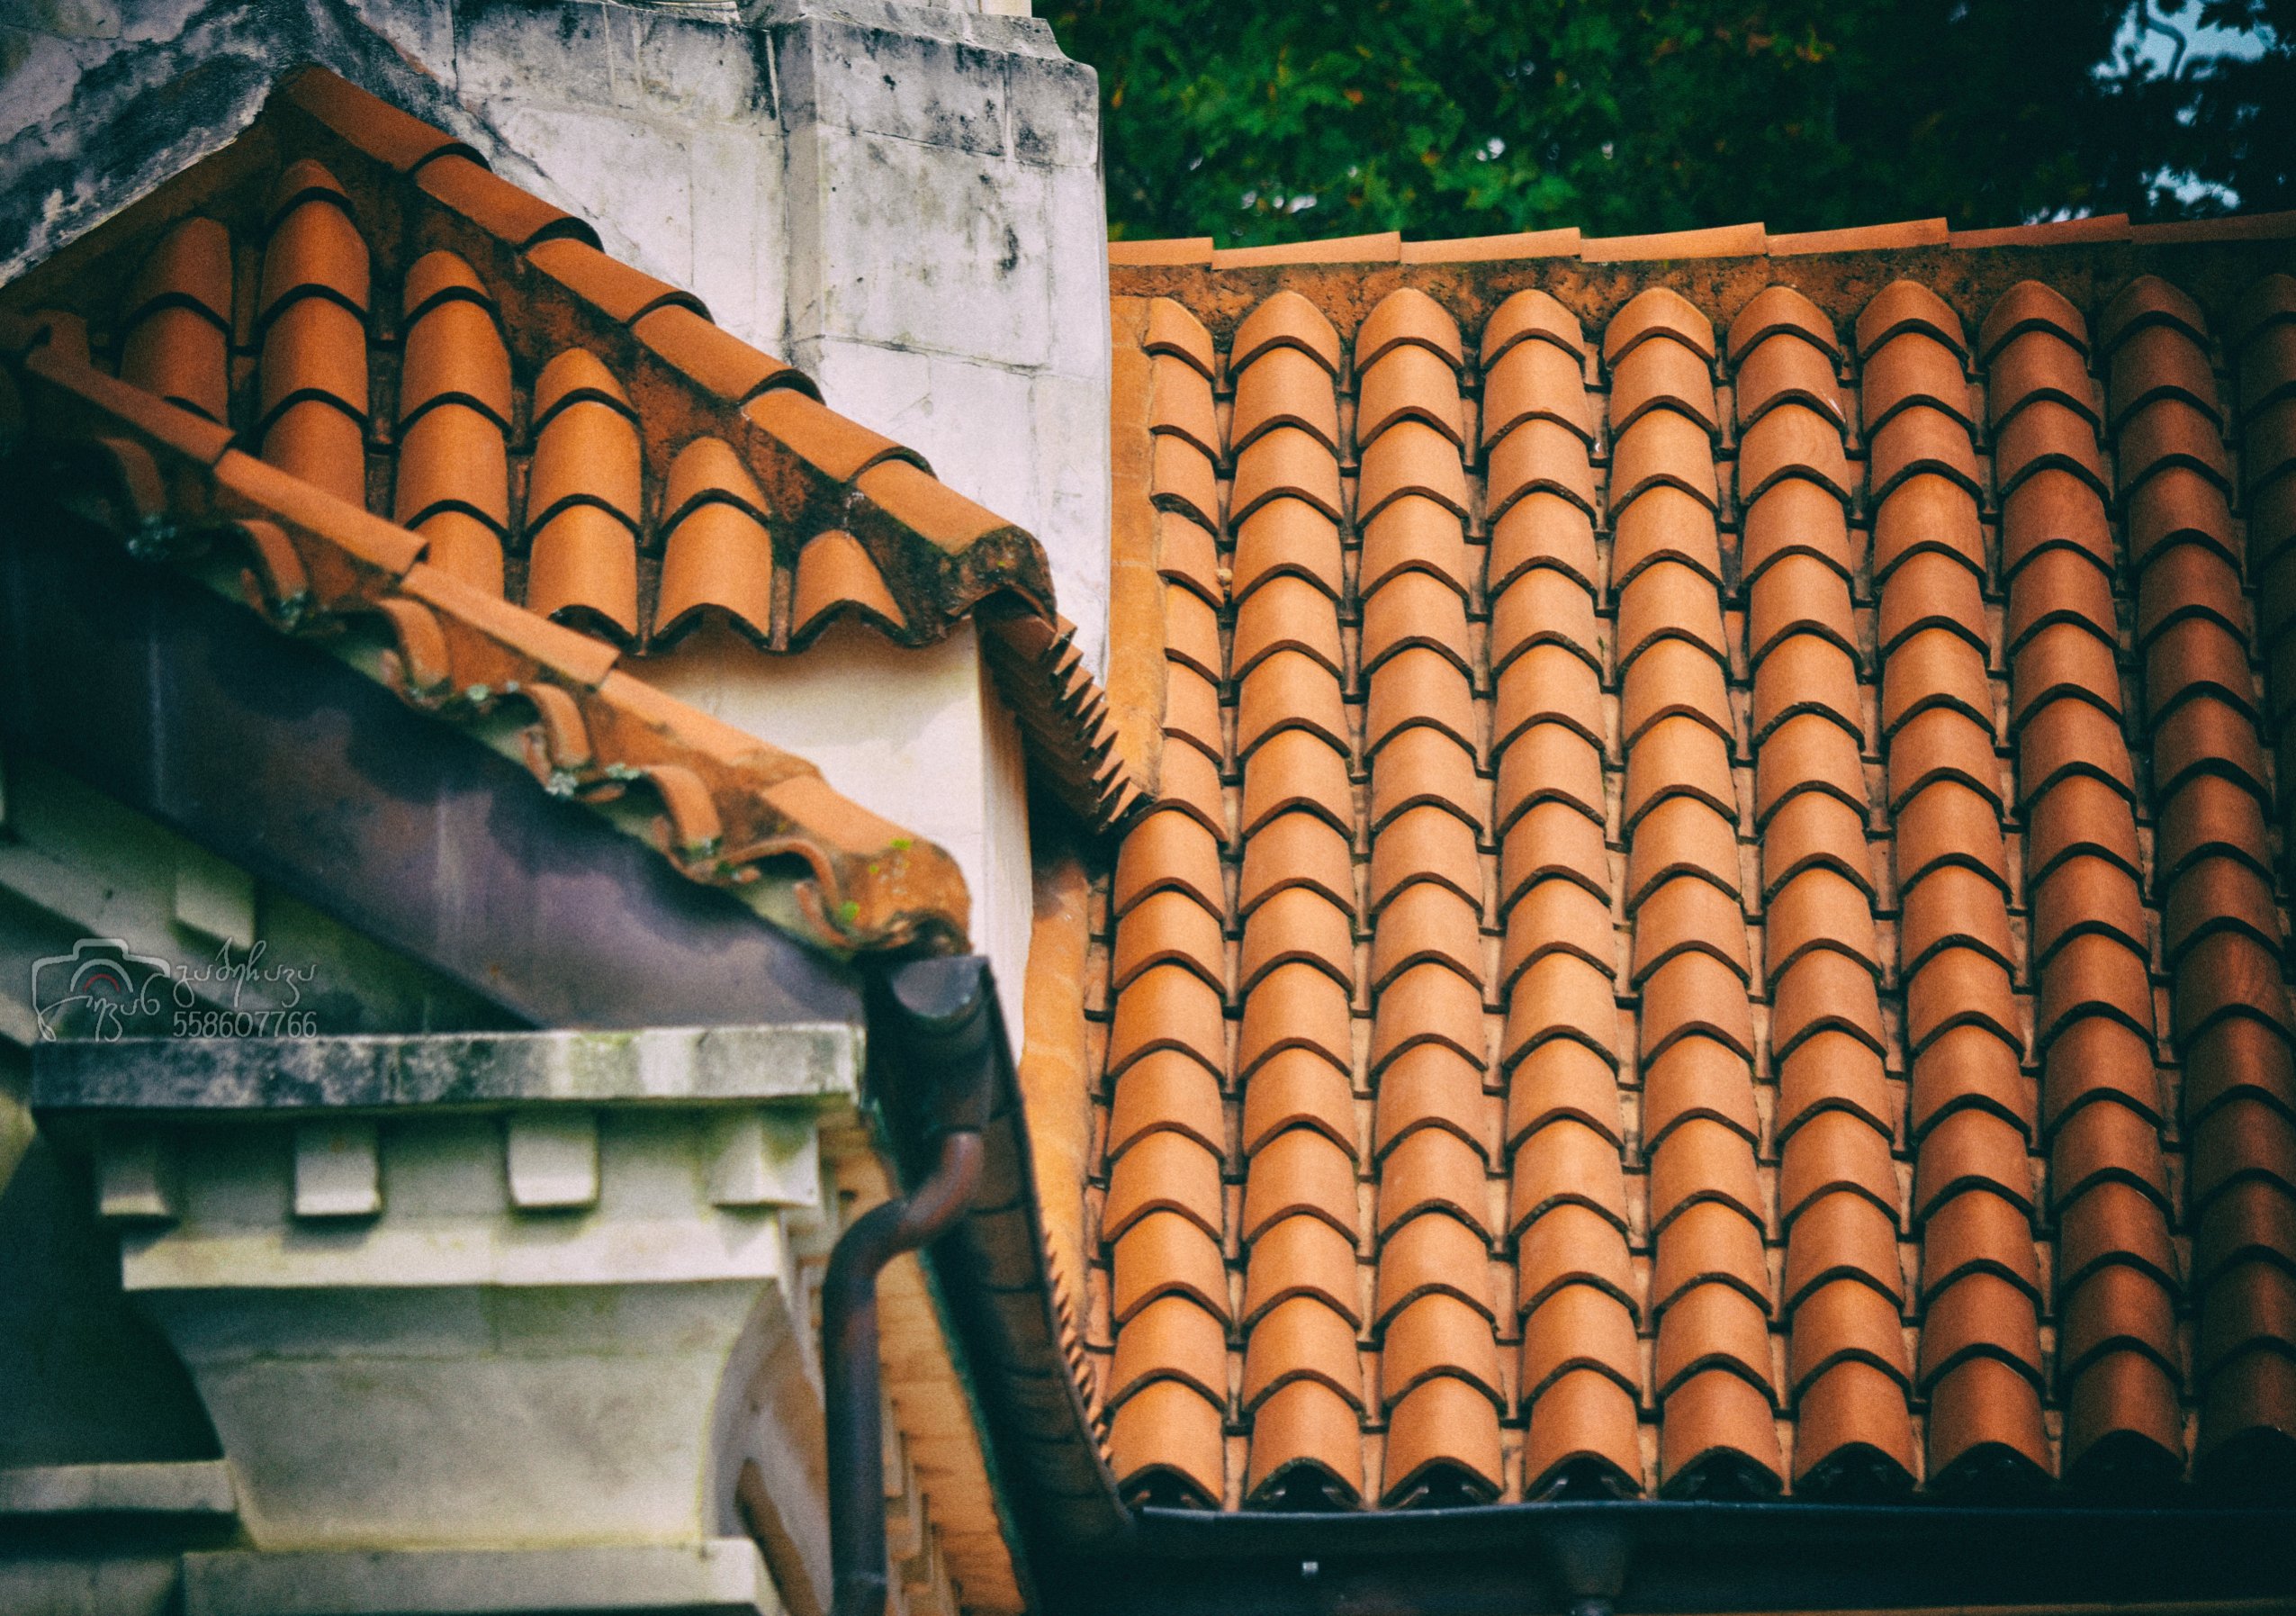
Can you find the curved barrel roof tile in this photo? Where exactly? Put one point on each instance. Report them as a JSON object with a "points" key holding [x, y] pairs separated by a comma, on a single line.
{"points": [[1766, 1038], [501, 426]]}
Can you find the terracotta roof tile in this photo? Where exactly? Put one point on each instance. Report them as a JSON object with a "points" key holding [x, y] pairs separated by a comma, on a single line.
{"points": [[1170, 1339], [1878, 238], [1295, 1005], [442, 472], [1889, 702], [1908, 306], [1406, 317], [1165, 1090], [1299, 1088], [1305, 1436], [1296, 924], [1172, 329], [1536, 380], [1168, 1438], [1780, 308], [2030, 306], [1661, 374], [1814, 831], [1170, 928], [1442, 1440], [1298, 1173], [519, 217], [582, 570], [1527, 314], [1286, 462], [2038, 365], [1303, 1340], [1164, 1171], [1657, 311], [1432, 1170], [1836, 1237], [1301, 1255], [1664, 447], [1717, 1437], [1168, 1007], [1579, 1327], [1286, 319], [1784, 369], [1296, 769], [1283, 387], [314, 246], [1540, 456], [1914, 367], [1434, 1086]]}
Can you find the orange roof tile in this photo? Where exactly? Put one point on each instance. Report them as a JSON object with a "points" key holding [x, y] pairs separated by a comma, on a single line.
{"points": [[1736, 767], [544, 425]]}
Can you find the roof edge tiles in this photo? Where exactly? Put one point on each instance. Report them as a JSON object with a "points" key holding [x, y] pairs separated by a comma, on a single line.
{"points": [[735, 810], [1713, 241]]}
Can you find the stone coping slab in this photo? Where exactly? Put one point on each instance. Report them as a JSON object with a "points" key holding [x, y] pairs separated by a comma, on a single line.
{"points": [[178, 1487], [803, 1061], [723, 1576]]}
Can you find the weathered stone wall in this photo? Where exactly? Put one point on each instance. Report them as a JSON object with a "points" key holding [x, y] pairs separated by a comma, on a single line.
{"points": [[903, 199]]}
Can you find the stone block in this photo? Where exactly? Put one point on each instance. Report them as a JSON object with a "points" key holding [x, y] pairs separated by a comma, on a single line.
{"points": [[187, 1488], [739, 267], [698, 70], [125, 1583], [964, 415], [1054, 106], [715, 1577], [422, 31], [135, 1175], [550, 1159], [65, 19], [337, 1172], [931, 248], [910, 86], [627, 177], [557, 55], [759, 1159]]}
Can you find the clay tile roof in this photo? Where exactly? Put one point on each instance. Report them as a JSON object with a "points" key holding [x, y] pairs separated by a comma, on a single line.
{"points": [[542, 432], [1704, 827]]}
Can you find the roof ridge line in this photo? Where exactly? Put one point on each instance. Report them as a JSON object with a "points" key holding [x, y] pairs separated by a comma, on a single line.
{"points": [[1733, 240]]}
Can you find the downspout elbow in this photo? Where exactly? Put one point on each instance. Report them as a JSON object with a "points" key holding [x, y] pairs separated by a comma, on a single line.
{"points": [[944, 1014]]}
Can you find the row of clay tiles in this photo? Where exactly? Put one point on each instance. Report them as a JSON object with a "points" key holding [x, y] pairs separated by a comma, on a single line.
{"points": [[446, 460], [1720, 242], [1652, 1291]]}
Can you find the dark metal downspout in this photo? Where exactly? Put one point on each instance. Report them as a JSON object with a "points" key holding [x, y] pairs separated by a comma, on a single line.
{"points": [[939, 1014]]}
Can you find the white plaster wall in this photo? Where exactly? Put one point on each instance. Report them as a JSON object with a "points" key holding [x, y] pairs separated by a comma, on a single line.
{"points": [[918, 736]]}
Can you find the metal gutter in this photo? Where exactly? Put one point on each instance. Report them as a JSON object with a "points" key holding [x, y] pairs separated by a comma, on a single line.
{"points": [[1593, 1559]]}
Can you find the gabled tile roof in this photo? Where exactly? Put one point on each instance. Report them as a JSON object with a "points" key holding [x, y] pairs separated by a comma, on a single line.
{"points": [[1709, 925], [413, 390]]}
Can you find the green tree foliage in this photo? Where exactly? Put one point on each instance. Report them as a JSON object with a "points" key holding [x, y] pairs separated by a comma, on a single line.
{"points": [[1294, 119]]}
